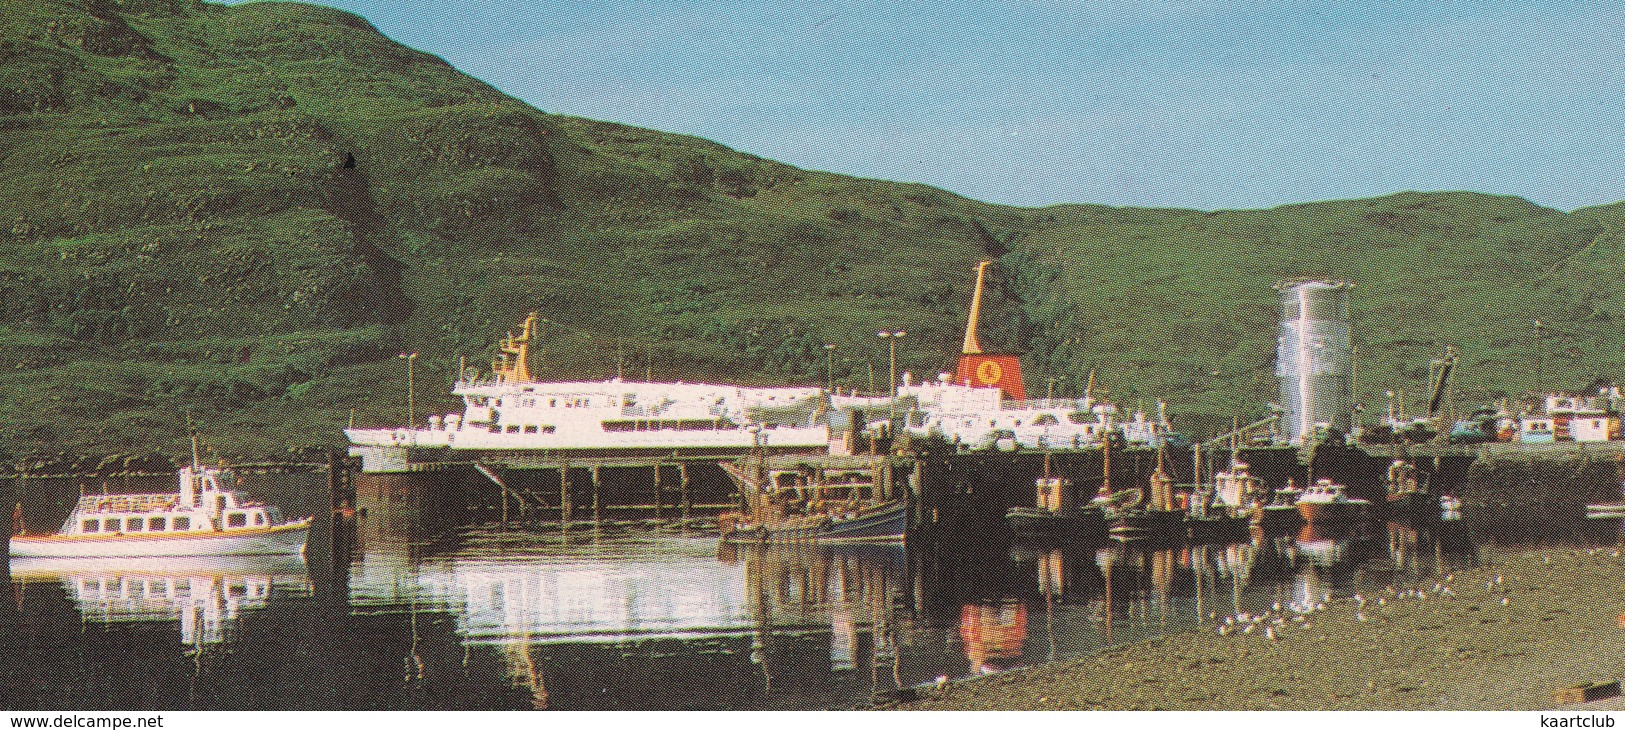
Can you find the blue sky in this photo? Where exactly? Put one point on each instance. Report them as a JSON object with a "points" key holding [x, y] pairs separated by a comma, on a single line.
{"points": [[1199, 104]]}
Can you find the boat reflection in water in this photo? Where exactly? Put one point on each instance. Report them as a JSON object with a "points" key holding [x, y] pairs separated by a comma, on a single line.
{"points": [[205, 596]]}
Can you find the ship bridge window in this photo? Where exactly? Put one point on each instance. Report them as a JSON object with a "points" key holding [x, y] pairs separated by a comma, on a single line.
{"points": [[530, 429], [236, 519], [113, 525], [548, 429], [133, 524], [513, 429], [182, 523], [155, 524], [90, 526]]}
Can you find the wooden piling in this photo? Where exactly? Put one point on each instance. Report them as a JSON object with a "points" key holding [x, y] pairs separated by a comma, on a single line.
{"points": [[596, 519], [658, 500], [564, 493], [916, 488], [682, 481]]}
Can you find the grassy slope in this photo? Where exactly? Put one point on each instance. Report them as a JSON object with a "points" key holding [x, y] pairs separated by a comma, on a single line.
{"points": [[181, 239], [1164, 299]]}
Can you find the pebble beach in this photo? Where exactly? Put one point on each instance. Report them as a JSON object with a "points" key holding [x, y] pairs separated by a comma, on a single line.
{"points": [[1505, 636]]}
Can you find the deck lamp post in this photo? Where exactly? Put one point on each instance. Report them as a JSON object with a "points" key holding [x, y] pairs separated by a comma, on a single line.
{"points": [[1049, 395], [1540, 356], [410, 395], [829, 365], [891, 339]]}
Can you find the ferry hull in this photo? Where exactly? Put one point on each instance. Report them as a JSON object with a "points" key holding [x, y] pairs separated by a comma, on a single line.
{"points": [[283, 540]]}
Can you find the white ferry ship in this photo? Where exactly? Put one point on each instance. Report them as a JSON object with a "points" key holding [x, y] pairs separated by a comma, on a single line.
{"points": [[508, 411], [983, 405]]}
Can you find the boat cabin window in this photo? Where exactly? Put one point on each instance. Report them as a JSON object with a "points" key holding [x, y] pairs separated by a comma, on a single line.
{"points": [[530, 429], [183, 523], [259, 519], [548, 429], [513, 429], [236, 519], [134, 524], [528, 403], [113, 525], [155, 524], [90, 526], [276, 515], [552, 403]]}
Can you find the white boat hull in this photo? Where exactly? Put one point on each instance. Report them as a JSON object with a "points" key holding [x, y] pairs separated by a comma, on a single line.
{"points": [[280, 540]]}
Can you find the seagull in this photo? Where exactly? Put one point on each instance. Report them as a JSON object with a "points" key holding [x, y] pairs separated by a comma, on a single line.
{"points": [[1247, 630], [1276, 607], [1503, 600], [1359, 616], [942, 681], [1270, 632], [1382, 601], [1224, 630]]}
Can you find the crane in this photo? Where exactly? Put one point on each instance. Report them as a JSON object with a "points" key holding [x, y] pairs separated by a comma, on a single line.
{"points": [[1439, 379]]}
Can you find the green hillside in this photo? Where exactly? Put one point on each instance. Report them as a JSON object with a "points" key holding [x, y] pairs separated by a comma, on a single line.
{"points": [[183, 240]]}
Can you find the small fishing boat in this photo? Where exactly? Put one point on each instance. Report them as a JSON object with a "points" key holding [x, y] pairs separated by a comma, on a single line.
{"points": [[1407, 493], [832, 512], [204, 516], [1055, 515], [1449, 508], [1156, 520], [1280, 511], [1328, 502], [1036, 524]]}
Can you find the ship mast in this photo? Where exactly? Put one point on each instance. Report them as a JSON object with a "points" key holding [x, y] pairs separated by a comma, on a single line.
{"points": [[517, 369], [972, 347]]}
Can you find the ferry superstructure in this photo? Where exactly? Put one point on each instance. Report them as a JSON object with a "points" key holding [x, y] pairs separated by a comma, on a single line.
{"points": [[983, 404], [507, 411]]}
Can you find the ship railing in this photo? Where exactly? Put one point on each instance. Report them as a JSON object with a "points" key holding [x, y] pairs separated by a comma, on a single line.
{"points": [[1074, 404]]}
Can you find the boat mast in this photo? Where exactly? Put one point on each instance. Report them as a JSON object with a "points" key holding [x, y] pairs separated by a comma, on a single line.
{"points": [[972, 346], [194, 450], [516, 370]]}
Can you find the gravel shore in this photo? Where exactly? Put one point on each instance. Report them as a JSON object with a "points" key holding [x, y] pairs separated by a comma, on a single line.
{"points": [[1506, 636]]}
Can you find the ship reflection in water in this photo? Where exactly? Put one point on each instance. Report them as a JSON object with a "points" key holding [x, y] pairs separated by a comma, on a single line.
{"points": [[657, 622], [447, 617], [204, 597]]}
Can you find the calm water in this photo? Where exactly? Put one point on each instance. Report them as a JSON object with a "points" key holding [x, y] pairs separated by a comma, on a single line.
{"points": [[478, 616]]}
